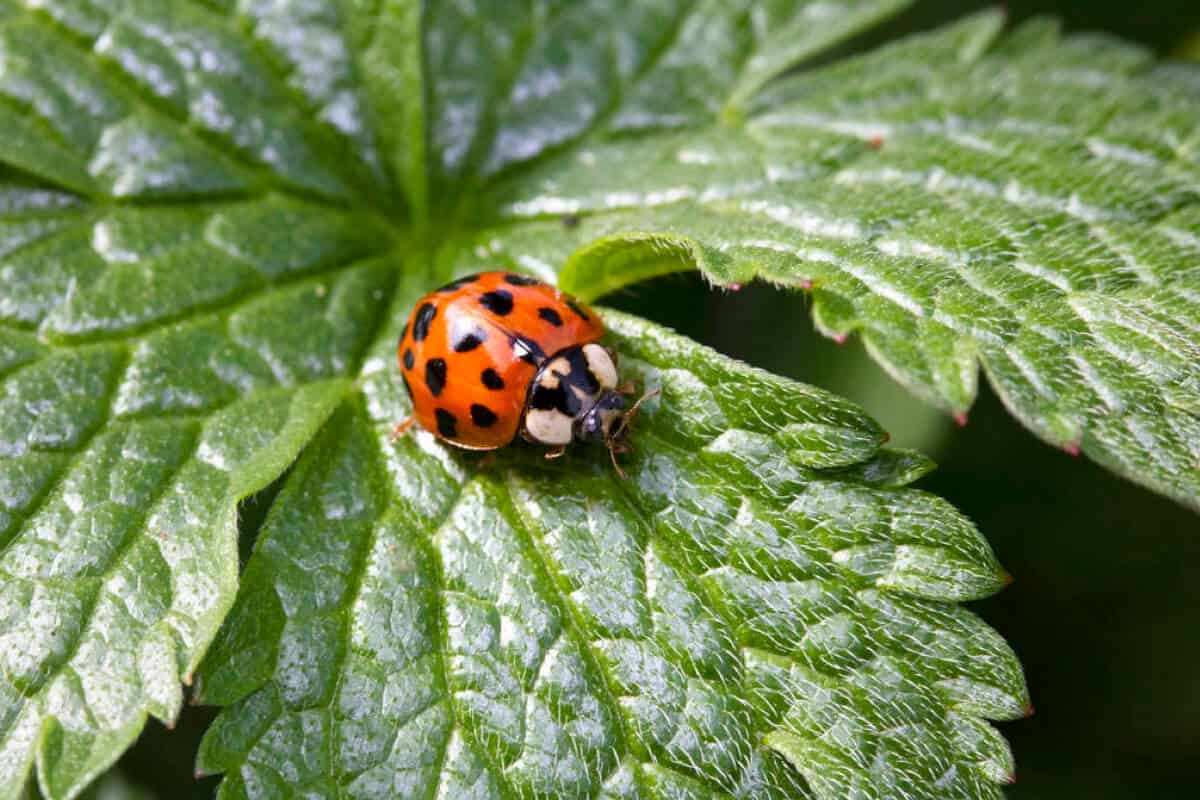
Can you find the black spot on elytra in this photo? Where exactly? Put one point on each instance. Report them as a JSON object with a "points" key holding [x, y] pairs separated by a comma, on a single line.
{"points": [[551, 316], [425, 315], [528, 350], [483, 416], [408, 359], [520, 280], [498, 301], [492, 380], [435, 375], [447, 423], [459, 282], [583, 315], [469, 341]]}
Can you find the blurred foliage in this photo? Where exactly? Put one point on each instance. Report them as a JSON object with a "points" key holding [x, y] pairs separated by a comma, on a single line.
{"points": [[1188, 48], [1104, 606]]}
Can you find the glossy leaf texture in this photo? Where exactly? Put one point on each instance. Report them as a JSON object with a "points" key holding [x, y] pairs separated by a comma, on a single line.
{"points": [[749, 615], [164, 221], [1024, 202], [213, 217]]}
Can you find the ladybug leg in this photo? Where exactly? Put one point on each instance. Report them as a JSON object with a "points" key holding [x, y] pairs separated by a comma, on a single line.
{"points": [[402, 428], [555, 452], [612, 456]]}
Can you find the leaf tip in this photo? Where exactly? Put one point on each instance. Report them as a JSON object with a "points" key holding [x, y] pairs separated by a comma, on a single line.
{"points": [[876, 141], [840, 338], [1007, 579], [960, 419], [1028, 709], [1010, 778], [1071, 449]]}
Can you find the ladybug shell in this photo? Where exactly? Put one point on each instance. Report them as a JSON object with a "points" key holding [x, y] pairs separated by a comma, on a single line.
{"points": [[471, 349]]}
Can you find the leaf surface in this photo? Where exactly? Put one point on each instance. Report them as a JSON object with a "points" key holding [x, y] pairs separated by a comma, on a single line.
{"points": [[164, 220], [1025, 203], [729, 622], [213, 219]]}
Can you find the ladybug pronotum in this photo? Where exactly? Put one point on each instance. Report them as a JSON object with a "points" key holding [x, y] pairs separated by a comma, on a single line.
{"points": [[492, 356]]}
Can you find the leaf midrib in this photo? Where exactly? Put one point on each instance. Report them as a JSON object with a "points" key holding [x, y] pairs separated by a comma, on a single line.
{"points": [[562, 598], [221, 309], [134, 533], [441, 645], [467, 206], [77, 453]]}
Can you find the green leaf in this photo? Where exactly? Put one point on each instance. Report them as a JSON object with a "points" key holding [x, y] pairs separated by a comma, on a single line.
{"points": [[164, 220], [534, 629], [504, 88], [1026, 203], [213, 218]]}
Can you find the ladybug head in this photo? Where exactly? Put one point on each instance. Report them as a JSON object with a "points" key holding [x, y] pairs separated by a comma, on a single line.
{"points": [[605, 420], [609, 421]]}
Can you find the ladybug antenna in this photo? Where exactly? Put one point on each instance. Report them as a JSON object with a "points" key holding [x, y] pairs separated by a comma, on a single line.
{"points": [[631, 413], [616, 442]]}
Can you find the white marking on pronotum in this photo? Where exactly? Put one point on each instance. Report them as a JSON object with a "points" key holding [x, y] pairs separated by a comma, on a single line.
{"points": [[601, 364], [549, 427]]}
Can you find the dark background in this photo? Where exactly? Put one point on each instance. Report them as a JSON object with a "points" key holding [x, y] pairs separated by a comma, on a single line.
{"points": [[1104, 608]]}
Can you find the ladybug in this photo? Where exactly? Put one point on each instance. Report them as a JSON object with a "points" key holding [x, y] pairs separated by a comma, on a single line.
{"points": [[495, 355]]}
